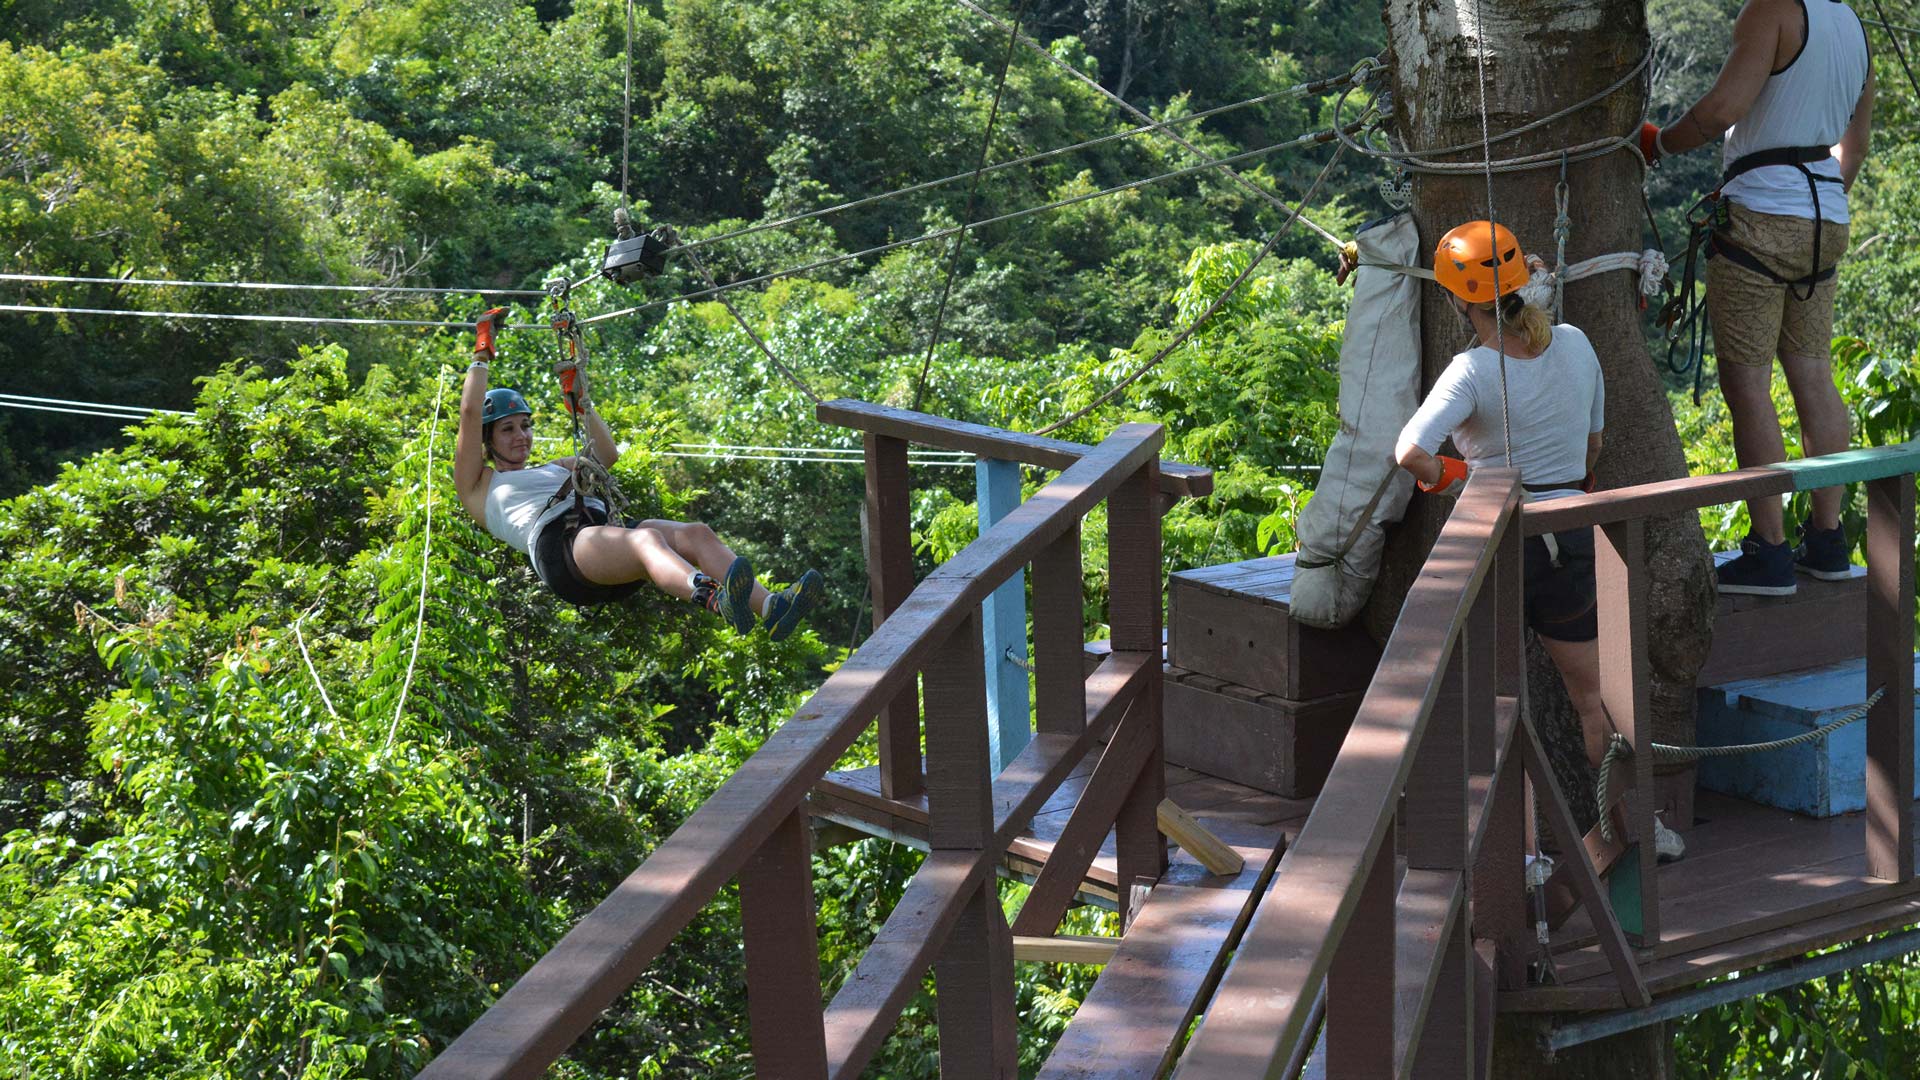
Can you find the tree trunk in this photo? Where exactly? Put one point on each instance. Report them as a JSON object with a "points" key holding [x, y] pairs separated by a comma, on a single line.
{"points": [[1542, 56]]}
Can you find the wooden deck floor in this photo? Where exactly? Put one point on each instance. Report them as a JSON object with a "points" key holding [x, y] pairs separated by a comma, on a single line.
{"points": [[853, 798]]}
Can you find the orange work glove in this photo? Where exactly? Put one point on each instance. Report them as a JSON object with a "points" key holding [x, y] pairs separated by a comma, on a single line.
{"points": [[1452, 471], [1650, 141], [484, 330], [1588, 483]]}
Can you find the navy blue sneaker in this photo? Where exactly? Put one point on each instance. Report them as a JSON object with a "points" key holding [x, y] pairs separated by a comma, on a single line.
{"points": [[787, 607], [733, 600], [1762, 569], [1823, 554]]}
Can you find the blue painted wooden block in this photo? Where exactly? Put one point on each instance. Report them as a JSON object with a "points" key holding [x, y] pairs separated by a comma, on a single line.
{"points": [[1821, 778], [1003, 622]]}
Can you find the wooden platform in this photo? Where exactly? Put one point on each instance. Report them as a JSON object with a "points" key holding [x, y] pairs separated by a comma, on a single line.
{"points": [[1757, 885], [852, 798]]}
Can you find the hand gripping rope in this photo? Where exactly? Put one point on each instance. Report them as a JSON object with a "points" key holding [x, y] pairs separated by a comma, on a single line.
{"points": [[590, 476]]}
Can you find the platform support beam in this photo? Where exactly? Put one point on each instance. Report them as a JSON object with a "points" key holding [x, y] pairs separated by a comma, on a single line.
{"points": [[1004, 621], [1890, 506]]}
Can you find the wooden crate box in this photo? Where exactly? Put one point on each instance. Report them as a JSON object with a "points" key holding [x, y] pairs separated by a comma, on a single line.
{"points": [[1261, 740], [1232, 622]]}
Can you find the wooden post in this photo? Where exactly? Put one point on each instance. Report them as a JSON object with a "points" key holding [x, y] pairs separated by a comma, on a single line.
{"points": [[782, 954], [1135, 614], [1360, 983], [973, 974], [1621, 571], [1436, 808], [1004, 620], [890, 575], [1890, 506], [1059, 637], [1481, 644], [1498, 885], [1447, 1046]]}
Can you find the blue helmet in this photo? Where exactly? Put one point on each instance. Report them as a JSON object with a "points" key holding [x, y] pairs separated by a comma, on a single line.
{"points": [[503, 402]]}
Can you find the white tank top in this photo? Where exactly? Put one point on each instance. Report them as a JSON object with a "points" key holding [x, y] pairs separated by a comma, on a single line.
{"points": [[515, 499], [1808, 104]]}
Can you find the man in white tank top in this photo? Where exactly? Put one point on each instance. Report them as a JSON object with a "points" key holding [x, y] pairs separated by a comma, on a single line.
{"points": [[1795, 101]]}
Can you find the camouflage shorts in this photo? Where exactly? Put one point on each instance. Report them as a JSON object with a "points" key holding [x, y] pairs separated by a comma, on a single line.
{"points": [[1755, 318]]}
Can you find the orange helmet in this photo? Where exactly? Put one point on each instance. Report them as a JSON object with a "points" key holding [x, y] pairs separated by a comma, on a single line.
{"points": [[1466, 263]]}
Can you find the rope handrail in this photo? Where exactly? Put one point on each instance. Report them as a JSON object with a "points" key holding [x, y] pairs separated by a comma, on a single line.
{"points": [[606, 951]]}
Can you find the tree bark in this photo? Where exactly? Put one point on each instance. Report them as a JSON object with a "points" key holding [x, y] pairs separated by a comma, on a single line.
{"points": [[1542, 56]]}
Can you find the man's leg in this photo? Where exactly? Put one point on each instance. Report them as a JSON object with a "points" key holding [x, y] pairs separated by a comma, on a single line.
{"points": [[1756, 437], [1825, 427]]}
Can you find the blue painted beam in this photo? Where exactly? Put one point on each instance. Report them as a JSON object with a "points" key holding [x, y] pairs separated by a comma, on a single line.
{"points": [[1853, 466], [1003, 622]]}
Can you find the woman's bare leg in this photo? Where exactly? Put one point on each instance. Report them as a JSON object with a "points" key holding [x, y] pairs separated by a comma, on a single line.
{"points": [[696, 543], [664, 552], [1579, 664]]}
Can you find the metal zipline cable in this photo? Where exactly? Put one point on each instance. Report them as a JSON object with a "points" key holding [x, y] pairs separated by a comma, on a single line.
{"points": [[1031, 159], [1270, 197], [938, 234], [270, 286]]}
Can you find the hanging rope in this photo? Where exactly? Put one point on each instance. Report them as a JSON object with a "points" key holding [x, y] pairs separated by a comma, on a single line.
{"points": [[1493, 245], [1218, 302], [1562, 226], [973, 195], [1619, 749], [426, 557], [626, 114], [1898, 50], [1271, 198], [791, 375]]}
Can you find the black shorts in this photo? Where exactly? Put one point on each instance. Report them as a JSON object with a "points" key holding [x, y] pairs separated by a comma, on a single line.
{"points": [[1560, 592], [553, 563]]}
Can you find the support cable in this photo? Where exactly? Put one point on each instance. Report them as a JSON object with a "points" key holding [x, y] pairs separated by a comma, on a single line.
{"points": [[233, 317], [1218, 302], [791, 375], [1271, 198], [626, 113], [271, 286], [1898, 50], [973, 197]]}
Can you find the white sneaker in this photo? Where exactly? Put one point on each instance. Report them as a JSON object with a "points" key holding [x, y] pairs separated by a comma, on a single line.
{"points": [[1667, 845]]}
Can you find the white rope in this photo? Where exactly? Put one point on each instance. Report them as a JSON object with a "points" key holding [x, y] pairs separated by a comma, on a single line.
{"points": [[37, 309], [140, 409], [426, 552], [271, 286], [1486, 143]]}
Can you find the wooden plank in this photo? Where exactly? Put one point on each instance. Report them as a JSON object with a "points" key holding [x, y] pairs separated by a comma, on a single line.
{"points": [[1273, 744], [1067, 862], [1065, 949], [1868, 463], [1435, 821], [1026, 785], [888, 975], [1890, 505], [1003, 621], [1824, 623], [973, 993], [1259, 1015], [1134, 590], [778, 938], [1498, 885], [1433, 992], [928, 430], [1195, 840], [1657, 499], [1362, 1037], [1130, 1024], [1620, 567], [1232, 632], [1059, 627], [566, 990], [889, 542]]}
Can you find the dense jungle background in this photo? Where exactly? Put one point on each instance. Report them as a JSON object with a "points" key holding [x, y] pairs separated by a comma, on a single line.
{"points": [[299, 770]]}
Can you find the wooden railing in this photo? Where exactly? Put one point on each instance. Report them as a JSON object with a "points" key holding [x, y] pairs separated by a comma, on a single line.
{"points": [[754, 828], [1395, 920]]}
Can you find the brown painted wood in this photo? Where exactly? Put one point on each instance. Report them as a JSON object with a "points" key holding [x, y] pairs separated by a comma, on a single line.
{"points": [[973, 984], [1274, 744], [1485, 997], [888, 976], [607, 950], [1059, 628], [1481, 656], [783, 961], [1654, 500], [1822, 623], [889, 540], [1499, 886], [1434, 825], [1134, 590], [1259, 1015], [1130, 1025], [929, 430], [1028, 782], [1236, 627], [1890, 664], [1620, 569], [1433, 972], [1613, 941], [1361, 1036]]}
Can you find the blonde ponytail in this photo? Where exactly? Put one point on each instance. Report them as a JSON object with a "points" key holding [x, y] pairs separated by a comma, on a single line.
{"points": [[1530, 323]]}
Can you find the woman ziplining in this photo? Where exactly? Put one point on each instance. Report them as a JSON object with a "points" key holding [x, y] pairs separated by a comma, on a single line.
{"points": [[577, 551]]}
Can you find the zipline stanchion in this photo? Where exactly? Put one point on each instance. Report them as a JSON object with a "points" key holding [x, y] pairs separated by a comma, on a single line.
{"points": [[889, 539], [1004, 622], [1890, 506]]}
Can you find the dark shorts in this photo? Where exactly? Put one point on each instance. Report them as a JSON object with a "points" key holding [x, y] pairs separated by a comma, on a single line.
{"points": [[553, 563], [1560, 592]]}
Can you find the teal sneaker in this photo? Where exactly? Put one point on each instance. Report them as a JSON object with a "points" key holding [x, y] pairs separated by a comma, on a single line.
{"points": [[787, 607], [733, 600]]}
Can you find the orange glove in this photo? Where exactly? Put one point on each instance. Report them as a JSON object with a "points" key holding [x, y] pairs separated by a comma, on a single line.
{"points": [[1587, 484], [1650, 141], [484, 330], [1452, 471]]}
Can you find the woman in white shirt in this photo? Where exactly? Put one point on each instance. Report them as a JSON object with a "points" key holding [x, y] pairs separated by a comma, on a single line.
{"points": [[595, 561]]}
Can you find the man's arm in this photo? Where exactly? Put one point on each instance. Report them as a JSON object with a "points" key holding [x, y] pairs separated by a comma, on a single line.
{"points": [[1593, 449], [1756, 45], [1851, 151]]}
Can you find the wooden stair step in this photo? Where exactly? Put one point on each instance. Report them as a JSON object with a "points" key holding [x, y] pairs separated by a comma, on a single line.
{"points": [[1822, 623], [1132, 1022]]}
